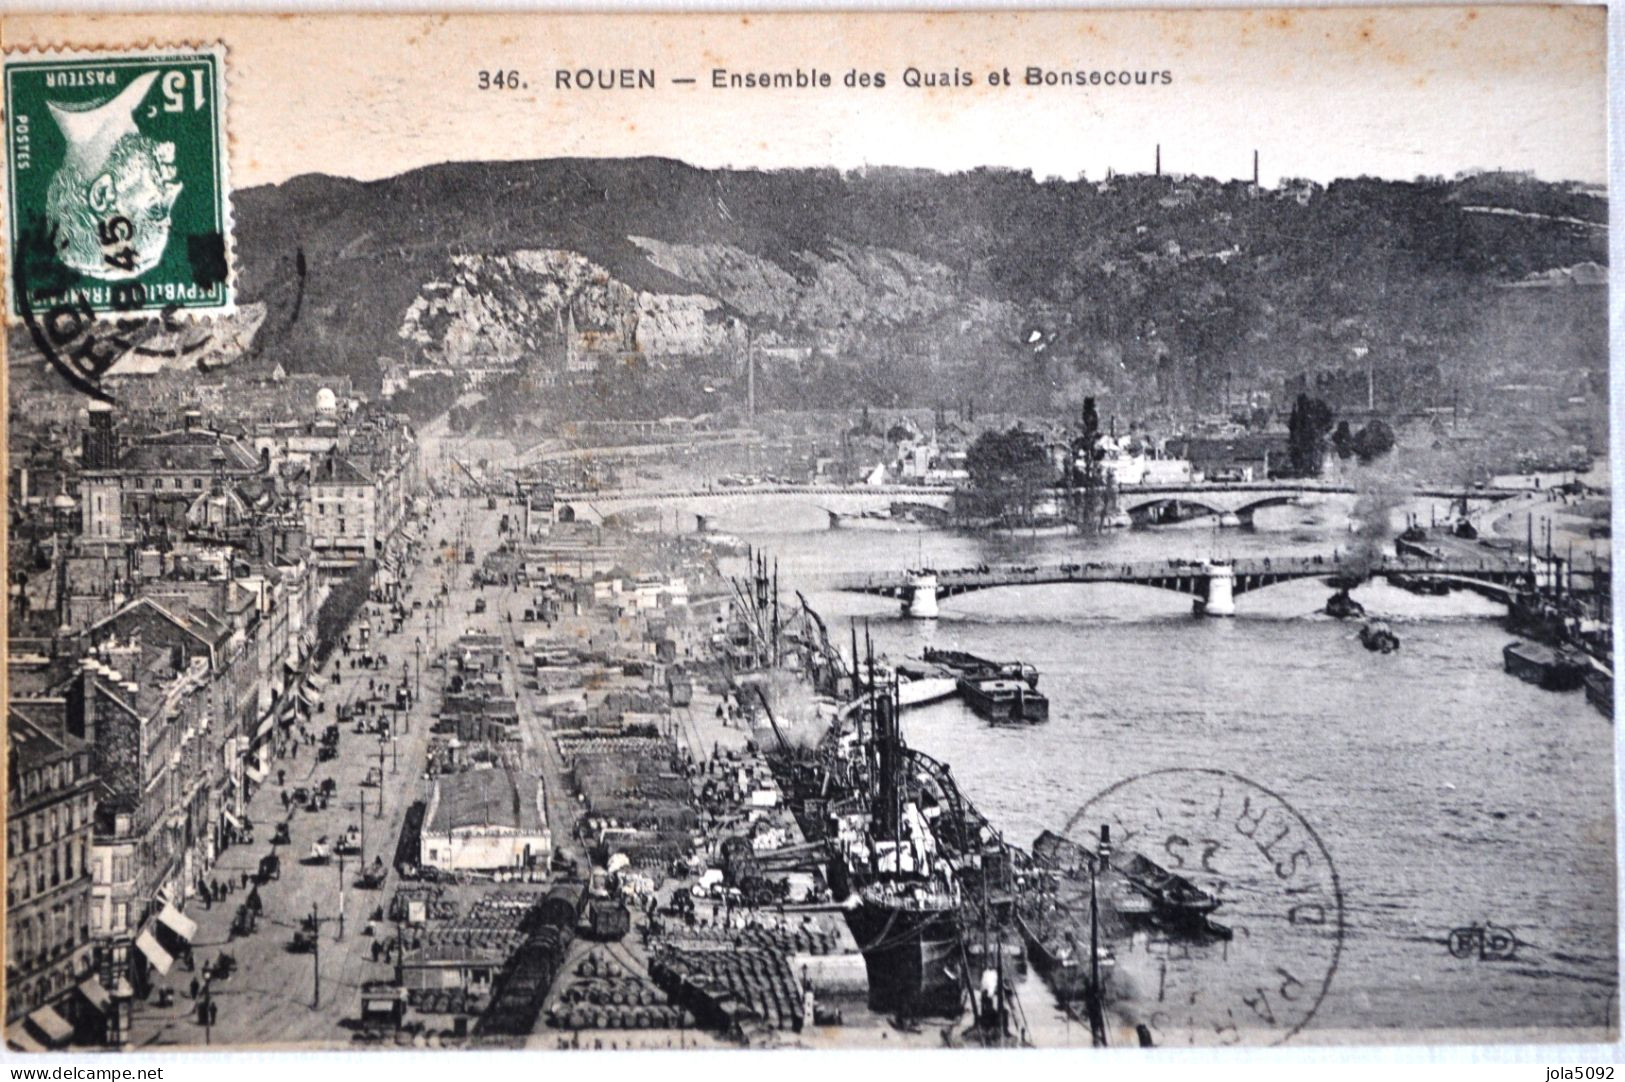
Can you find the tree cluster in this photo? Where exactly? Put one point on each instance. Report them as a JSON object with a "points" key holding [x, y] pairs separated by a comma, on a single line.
{"points": [[1311, 433], [1009, 473]]}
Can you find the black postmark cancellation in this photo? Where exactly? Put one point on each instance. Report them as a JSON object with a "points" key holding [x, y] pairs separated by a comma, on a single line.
{"points": [[1228, 903], [78, 339]]}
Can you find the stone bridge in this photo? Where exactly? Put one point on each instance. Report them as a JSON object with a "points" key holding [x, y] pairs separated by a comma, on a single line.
{"points": [[1234, 501], [1214, 585]]}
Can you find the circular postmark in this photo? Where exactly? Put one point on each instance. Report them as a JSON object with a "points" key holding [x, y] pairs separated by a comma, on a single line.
{"points": [[1279, 900], [83, 347]]}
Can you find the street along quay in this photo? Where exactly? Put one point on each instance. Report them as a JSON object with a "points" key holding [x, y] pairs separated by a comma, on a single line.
{"points": [[525, 810]]}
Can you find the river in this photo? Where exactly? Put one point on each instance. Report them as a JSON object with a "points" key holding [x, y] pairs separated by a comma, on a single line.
{"points": [[1443, 791]]}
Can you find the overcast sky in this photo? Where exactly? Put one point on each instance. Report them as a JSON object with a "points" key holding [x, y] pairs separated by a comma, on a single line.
{"points": [[1320, 94]]}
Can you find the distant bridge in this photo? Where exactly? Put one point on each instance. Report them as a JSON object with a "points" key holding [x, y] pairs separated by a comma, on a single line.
{"points": [[1238, 498], [1214, 585]]}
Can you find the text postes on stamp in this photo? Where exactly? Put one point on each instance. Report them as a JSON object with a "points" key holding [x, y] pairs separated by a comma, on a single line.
{"points": [[117, 186], [1275, 937]]}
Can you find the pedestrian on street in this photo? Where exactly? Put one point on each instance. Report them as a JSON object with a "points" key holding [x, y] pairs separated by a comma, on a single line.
{"points": [[282, 778], [194, 987]]}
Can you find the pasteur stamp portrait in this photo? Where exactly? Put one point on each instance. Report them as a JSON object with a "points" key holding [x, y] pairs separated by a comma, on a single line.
{"points": [[117, 182]]}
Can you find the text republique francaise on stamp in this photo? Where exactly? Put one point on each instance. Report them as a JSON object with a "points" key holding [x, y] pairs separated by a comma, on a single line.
{"points": [[117, 183]]}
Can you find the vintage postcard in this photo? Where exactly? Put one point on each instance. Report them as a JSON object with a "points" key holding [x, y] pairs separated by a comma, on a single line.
{"points": [[1071, 529]]}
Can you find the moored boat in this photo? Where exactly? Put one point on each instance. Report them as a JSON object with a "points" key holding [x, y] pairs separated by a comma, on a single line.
{"points": [[1172, 896], [1425, 585], [910, 941], [1536, 663], [1058, 954], [1600, 691], [964, 663], [1002, 699]]}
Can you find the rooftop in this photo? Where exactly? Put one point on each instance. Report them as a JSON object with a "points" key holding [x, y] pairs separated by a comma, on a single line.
{"points": [[36, 733], [338, 470], [483, 798], [193, 450]]}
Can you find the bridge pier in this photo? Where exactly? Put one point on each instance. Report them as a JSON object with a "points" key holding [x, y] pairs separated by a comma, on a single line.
{"points": [[920, 597], [1220, 599]]}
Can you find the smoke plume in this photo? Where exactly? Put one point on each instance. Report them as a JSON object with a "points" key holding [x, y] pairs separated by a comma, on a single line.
{"points": [[1379, 495]]}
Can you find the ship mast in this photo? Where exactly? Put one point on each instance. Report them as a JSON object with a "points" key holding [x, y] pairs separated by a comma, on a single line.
{"points": [[1097, 1020]]}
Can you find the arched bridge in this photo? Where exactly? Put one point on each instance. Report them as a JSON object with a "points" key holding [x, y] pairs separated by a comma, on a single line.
{"points": [[1238, 498], [1214, 585]]}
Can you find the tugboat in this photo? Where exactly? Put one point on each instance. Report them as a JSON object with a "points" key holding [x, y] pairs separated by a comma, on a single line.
{"points": [[1344, 607], [1378, 637], [1554, 670]]}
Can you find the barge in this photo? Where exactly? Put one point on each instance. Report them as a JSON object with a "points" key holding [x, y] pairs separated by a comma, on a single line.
{"points": [[1003, 699], [1535, 663], [966, 664]]}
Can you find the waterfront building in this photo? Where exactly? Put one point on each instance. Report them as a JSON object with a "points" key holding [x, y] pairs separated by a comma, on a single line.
{"points": [[164, 636], [342, 513], [357, 498], [480, 820], [142, 708], [49, 808]]}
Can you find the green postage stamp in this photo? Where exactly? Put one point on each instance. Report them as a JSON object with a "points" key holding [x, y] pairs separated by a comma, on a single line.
{"points": [[118, 204]]}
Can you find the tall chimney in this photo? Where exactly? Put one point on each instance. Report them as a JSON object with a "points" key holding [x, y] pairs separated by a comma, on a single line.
{"points": [[100, 446]]}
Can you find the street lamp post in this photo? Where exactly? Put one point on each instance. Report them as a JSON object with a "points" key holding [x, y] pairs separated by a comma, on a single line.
{"points": [[361, 805], [316, 957]]}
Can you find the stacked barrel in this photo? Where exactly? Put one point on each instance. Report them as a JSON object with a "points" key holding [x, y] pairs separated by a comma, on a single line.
{"points": [[729, 988], [605, 994]]}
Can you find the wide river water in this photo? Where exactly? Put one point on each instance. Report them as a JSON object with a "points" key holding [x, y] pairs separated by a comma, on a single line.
{"points": [[1443, 791]]}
